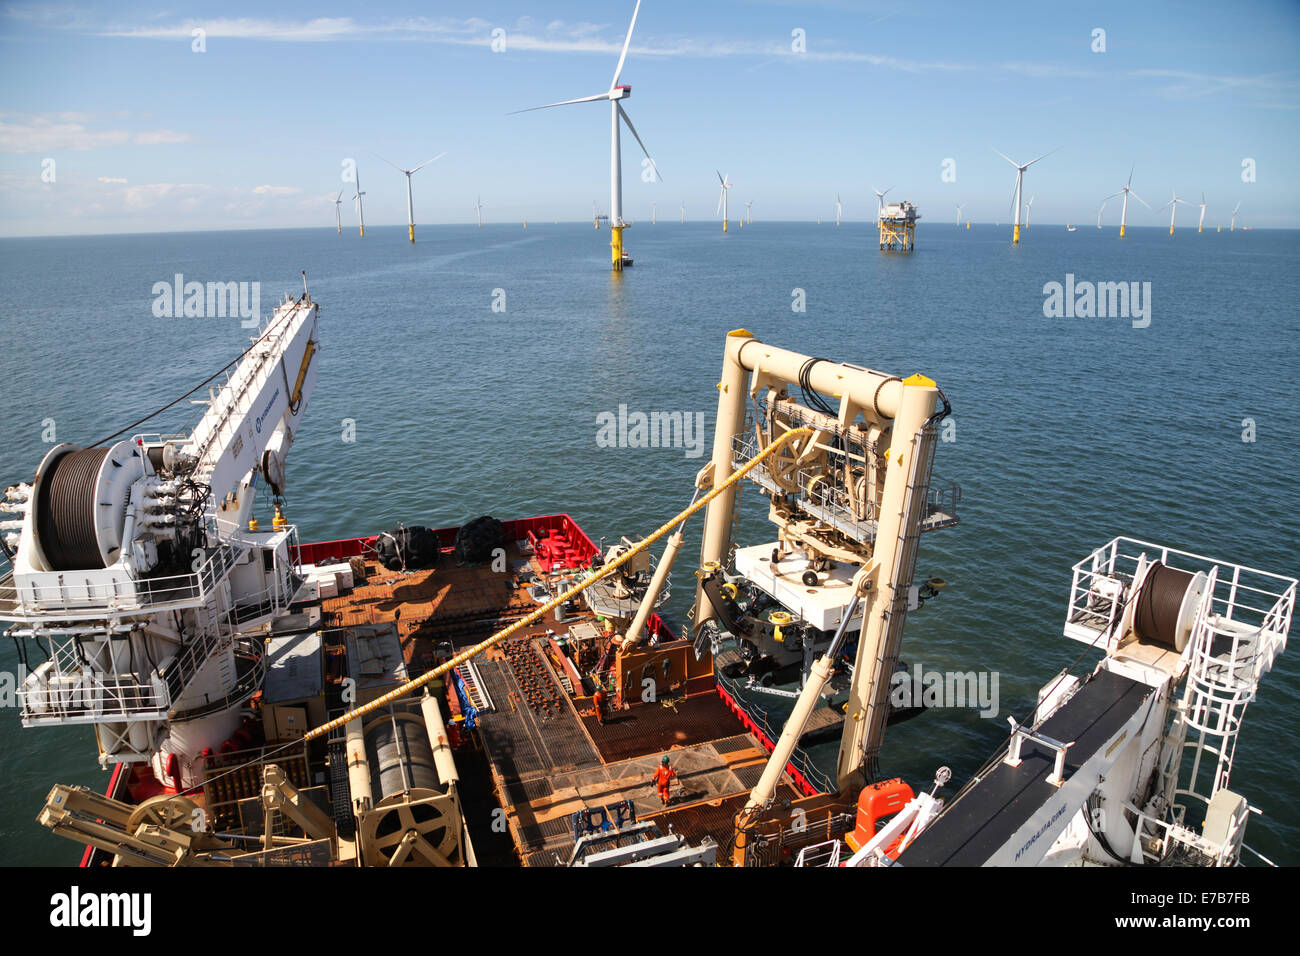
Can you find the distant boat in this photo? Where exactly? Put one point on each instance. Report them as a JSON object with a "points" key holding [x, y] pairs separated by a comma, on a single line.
{"points": [[1070, 228]]}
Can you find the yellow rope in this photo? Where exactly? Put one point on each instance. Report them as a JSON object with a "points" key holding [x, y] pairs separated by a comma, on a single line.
{"points": [[568, 595]]}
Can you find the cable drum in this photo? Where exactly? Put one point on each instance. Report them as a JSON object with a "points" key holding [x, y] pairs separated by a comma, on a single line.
{"points": [[65, 511], [1167, 606], [401, 759]]}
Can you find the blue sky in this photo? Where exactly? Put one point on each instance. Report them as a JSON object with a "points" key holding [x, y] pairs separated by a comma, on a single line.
{"points": [[148, 135]]}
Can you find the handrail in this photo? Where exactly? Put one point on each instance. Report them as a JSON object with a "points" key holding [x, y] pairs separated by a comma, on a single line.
{"points": [[539, 613]]}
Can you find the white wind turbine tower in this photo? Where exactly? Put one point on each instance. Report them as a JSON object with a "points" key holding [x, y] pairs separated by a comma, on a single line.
{"points": [[616, 112], [749, 212], [1200, 225], [1172, 205], [959, 217], [1100, 210], [410, 205], [1125, 192], [654, 214], [839, 208], [1029, 207], [880, 203], [726, 184], [1020, 185], [361, 213], [1232, 226], [478, 208], [338, 215], [683, 212]]}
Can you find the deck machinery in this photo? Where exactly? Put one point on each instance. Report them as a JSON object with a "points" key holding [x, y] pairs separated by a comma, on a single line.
{"points": [[1130, 764], [166, 620]]}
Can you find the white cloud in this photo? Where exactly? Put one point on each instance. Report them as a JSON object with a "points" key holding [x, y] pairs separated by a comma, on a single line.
{"points": [[49, 133]]}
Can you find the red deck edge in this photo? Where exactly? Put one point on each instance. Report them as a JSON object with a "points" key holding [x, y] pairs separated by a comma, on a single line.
{"points": [[516, 529], [808, 789]]}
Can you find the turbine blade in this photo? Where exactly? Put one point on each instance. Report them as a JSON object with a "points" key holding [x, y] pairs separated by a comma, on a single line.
{"points": [[720, 178], [628, 120], [1139, 199], [1006, 157], [428, 161], [394, 165], [721, 193], [581, 99], [626, 43], [1044, 156]]}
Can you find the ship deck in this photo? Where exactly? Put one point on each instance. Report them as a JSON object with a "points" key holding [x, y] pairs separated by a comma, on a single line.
{"points": [[547, 755]]}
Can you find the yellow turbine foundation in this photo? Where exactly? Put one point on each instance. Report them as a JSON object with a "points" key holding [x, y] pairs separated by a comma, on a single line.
{"points": [[410, 231], [1015, 234], [616, 247], [1121, 230]]}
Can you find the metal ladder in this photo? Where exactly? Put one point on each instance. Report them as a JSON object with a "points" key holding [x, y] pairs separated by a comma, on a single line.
{"points": [[474, 689]]}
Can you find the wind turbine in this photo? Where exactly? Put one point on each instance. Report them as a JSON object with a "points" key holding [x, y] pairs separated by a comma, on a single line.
{"points": [[616, 111], [1232, 226], [361, 213], [683, 212], [338, 215], [1173, 206], [1123, 213], [749, 212], [722, 198], [839, 208], [478, 208], [1029, 207], [654, 214], [1201, 224], [959, 217], [880, 203], [1020, 184], [1100, 209], [410, 205]]}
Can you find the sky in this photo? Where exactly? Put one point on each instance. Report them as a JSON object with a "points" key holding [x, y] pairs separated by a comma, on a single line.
{"points": [[112, 121]]}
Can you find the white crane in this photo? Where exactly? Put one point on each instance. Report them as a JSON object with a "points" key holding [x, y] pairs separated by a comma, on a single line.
{"points": [[132, 595], [614, 95]]}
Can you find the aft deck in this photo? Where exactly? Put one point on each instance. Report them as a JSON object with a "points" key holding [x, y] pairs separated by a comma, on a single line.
{"points": [[547, 755]]}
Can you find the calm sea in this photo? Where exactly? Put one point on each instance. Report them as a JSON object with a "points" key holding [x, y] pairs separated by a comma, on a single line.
{"points": [[1068, 431]]}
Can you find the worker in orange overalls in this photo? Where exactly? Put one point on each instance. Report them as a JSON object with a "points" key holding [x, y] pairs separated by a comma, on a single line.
{"points": [[598, 699], [662, 777]]}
